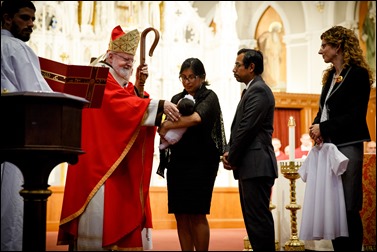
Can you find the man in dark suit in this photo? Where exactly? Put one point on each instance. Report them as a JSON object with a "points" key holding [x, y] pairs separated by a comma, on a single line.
{"points": [[250, 152]]}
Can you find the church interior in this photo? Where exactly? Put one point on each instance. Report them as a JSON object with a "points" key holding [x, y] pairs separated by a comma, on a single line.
{"points": [[287, 33]]}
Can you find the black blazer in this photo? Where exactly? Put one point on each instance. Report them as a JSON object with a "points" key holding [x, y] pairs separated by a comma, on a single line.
{"points": [[347, 108], [250, 144]]}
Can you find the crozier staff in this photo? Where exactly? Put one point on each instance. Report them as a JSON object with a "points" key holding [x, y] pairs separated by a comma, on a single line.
{"points": [[141, 80]]}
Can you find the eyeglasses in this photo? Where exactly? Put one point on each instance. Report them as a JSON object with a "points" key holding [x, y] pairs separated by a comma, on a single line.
{"points": [[191, 78], [127, 60], [238, 65]]}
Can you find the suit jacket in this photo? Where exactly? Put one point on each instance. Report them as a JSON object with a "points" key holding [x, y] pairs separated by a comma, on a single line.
{"points": [[347, 107], [250, 144]]}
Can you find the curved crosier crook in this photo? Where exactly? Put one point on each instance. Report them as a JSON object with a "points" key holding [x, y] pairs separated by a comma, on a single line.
{"points": [[140, 84]]}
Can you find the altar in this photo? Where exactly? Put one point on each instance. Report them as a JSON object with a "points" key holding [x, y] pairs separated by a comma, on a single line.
{"points": [[282, 217], [281, 198]]}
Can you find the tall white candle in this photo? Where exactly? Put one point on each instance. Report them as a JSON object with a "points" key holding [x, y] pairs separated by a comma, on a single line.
{"points": [[291, 129]]}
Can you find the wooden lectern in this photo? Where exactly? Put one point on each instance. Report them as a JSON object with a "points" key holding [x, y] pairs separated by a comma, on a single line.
{"points": [[40, 131]]}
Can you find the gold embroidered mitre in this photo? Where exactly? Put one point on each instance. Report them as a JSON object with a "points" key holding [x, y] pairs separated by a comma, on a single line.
{"points": [[124, 42]]}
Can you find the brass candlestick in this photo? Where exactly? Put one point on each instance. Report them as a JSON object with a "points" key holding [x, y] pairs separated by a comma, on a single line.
{"points": [[277, 246], [290, 171], [246, 244]]}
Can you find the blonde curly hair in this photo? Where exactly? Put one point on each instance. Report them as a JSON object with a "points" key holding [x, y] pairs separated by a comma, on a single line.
{"points": [[349, 44]]}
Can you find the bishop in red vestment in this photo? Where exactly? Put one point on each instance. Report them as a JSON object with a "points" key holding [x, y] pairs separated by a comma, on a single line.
{"points": [[108, 189]]}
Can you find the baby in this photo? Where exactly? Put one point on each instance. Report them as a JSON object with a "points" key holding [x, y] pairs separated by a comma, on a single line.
{"points": [[185, 107]]}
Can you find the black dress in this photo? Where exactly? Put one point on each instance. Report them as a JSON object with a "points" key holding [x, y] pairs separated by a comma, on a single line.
{"points": [[194, 160]]}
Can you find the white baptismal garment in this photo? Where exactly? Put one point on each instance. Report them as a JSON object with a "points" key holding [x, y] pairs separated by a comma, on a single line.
{"points": [[324, 210]]}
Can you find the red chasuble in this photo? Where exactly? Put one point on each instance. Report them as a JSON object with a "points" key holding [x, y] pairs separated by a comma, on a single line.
{"points": [[119, 154]]}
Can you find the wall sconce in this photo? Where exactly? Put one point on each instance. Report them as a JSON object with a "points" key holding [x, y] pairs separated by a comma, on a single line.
{"points": [[320, 5]]}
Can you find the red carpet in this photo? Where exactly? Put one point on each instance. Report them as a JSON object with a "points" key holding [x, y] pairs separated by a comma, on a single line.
{"points": [[226, 239]]}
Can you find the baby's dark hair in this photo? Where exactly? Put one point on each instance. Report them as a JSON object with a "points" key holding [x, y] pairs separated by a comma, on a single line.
{"points": [[186, 106]]}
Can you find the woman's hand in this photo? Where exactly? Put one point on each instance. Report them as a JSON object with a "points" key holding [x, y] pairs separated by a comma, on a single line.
{"points": [[164, 127], [315, 133]]}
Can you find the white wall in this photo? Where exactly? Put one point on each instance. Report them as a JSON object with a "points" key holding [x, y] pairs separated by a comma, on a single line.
{"points": [[236, 22]]}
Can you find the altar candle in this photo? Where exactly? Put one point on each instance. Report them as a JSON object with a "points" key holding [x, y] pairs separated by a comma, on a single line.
{"points": [[291, 127]]}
